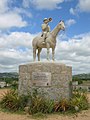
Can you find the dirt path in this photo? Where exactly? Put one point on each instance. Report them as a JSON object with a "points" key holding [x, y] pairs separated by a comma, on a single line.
{"points": [[85, 115]]}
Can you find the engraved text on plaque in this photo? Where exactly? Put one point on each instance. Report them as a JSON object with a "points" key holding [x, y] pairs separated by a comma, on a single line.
{"points": [[41, 79]]}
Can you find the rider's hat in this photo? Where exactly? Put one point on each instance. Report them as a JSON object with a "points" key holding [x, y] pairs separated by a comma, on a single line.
{"points": [[45, 19]]}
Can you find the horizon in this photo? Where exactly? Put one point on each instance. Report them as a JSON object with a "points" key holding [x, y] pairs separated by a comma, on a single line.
{"points": [[18, 73]]}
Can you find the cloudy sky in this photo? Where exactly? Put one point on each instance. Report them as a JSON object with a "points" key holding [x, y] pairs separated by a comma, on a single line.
{"points": [[20, 22]]}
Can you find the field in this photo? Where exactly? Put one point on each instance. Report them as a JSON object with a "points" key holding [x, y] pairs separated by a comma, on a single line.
{"points": [[84, 115]]}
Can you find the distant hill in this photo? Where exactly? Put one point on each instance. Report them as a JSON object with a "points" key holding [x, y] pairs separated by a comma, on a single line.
{"points": [[82, 76], [15, 75], [9, 75]]}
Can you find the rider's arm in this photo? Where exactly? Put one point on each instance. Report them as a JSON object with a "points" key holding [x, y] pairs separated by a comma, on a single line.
{"points": [[44, 26], [48, 28]]}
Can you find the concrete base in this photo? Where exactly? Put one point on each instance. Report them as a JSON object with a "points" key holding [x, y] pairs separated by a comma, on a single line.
{"points": [[52, 79]]}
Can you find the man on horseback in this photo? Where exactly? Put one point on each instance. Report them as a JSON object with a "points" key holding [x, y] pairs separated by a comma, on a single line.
{"points": [[51, 39], [45, 28]]}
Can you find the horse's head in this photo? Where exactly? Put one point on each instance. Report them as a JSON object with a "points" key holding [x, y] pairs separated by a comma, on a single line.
{"points": [[62, 25]]}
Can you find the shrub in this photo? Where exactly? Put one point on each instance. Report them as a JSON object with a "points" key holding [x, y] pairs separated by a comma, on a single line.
{"points": [[14, 85], [50, 106], [62, 105], [79, 100], [36, 103], [12, 101]]}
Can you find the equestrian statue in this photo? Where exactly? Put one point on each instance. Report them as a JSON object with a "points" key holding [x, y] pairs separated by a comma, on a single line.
{"points": [[47, 39]]}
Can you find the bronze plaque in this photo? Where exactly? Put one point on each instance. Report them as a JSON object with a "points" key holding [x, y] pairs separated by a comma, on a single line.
{"points": [[41, 79]]}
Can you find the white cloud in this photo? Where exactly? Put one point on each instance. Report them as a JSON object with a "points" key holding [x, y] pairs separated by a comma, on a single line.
{"points": [[47, 5], [43, 4], [82, 6], [11, 19], [72, 11], [3, 6], [68, 0], [75, 52], [16, 49], [70, 22], [15, 40], [11, 59], [26, 3], [22, 11]]}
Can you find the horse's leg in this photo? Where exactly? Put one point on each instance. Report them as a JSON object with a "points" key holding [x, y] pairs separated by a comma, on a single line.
{"points": [[48, 47], [34, 54], [53, 52], [39, 50]]}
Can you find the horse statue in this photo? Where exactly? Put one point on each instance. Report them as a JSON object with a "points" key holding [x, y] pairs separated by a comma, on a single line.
{"points": [[37, 42]]}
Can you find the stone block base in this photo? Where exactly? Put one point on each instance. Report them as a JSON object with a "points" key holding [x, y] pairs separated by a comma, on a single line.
{"points": [[52, 79]]}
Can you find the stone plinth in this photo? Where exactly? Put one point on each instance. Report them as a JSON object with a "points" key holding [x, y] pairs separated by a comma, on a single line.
{"points": [[49, 78]]}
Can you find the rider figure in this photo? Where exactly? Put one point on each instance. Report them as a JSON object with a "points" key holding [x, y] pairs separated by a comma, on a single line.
{"points": [[45, 28]]}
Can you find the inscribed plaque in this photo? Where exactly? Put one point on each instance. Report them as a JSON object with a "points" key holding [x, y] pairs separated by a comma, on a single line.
{"points": [[41, 79]]}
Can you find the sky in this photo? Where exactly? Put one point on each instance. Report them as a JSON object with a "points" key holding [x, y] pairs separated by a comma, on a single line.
{"points": [[20, 22]]}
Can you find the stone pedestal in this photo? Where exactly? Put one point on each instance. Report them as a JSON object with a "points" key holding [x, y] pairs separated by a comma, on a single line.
{"points": [[52, 79]]}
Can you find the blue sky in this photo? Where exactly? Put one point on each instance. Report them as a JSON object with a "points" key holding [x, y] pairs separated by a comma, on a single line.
{"points": [[20, 22], [62, 12]]}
